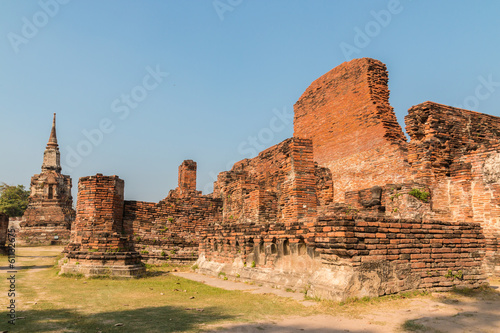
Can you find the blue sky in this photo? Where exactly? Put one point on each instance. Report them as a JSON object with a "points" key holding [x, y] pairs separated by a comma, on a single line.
{"points": [[139, 86]]}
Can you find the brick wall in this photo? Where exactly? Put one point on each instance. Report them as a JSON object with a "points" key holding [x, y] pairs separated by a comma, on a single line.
{"points": [[441, 135], [345, 256], [279, 185], [169, 230], [457, 152], [347, 115]]}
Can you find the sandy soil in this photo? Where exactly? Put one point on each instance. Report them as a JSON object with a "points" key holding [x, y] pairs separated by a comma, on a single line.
{"points": [[438, 312]]}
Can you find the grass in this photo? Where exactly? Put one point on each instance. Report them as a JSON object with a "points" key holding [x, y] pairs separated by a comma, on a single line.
{"points": [[158, 303], [377, 300], [161, 302], [413, 326]]}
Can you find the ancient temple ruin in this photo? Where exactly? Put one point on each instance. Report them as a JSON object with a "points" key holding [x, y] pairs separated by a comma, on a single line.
{"points": [[49, 215], [346, 207]]}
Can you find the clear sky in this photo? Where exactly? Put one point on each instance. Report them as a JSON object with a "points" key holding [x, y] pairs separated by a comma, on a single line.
{"points": [[140, 86]]}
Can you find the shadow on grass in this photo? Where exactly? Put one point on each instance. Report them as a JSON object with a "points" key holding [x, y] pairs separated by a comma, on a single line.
{"points": [[152, 319], [23, 268], [257, 328]]}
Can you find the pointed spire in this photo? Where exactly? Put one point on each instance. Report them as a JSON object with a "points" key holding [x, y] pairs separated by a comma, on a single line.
{"points": [[53, 138], [51, 156]]}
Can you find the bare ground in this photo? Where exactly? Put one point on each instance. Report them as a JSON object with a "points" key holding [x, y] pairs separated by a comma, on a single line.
{"points": [[438, 312]]}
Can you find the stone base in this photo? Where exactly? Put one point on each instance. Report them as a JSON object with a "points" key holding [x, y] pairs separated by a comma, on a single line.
{"points": [[115, 264], [337, 281], [103, 270]]}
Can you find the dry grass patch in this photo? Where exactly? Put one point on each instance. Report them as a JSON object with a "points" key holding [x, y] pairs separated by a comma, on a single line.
{"points": [[158, 303]]}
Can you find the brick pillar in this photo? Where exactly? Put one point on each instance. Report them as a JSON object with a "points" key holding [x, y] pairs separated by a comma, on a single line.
{"points": [[187, 176], [98, 245], [99, 207]]}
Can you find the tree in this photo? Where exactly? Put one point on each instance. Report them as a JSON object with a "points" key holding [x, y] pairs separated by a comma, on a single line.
{"points": [[13, 199]]}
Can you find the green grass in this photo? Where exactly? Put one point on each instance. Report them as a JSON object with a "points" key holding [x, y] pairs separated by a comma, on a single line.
{"points": [[53, 303], [413, 326], [376, 300]]}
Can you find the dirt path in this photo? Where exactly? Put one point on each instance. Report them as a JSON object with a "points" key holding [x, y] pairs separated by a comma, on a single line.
{"points": [[438, 312]]}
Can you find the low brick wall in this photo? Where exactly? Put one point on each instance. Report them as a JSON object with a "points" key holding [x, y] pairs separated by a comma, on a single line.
{"points": [[169, 231], [344, 256]]}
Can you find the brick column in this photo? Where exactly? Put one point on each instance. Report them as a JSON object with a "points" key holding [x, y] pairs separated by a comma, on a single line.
{"points": [[98, 245]]}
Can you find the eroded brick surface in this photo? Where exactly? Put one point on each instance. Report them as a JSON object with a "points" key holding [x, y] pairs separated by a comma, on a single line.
{"points": [[169, 230], [347, 115], [277, 185], [457, 153]]}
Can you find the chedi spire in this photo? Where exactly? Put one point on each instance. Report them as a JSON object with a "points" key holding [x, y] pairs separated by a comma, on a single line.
{"points": [[51, 156], [53, 138]]}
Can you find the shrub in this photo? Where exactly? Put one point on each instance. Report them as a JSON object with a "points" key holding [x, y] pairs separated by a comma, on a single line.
{"points": [[421, 195]]}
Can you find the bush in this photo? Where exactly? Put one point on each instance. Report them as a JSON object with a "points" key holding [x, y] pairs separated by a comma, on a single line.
{"points": [[421, 195], [13, 200]]}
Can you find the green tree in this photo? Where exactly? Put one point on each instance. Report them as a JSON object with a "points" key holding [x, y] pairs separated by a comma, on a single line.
{"points": [[13, 199]]}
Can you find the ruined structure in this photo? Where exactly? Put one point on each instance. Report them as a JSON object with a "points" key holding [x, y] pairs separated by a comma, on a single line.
{"points": [[345, 208], [169, 230], [387, 215], [98, 244], [110, 235], [49, 215]]}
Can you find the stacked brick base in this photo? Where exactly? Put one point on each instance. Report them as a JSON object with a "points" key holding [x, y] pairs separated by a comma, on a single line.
{"points": [[338, 257]]}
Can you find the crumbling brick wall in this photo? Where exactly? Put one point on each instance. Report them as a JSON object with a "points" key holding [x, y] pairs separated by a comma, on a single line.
{"points": [[169, 230], [347, 115], [279, 185], [457, 153], [391, 200]]}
